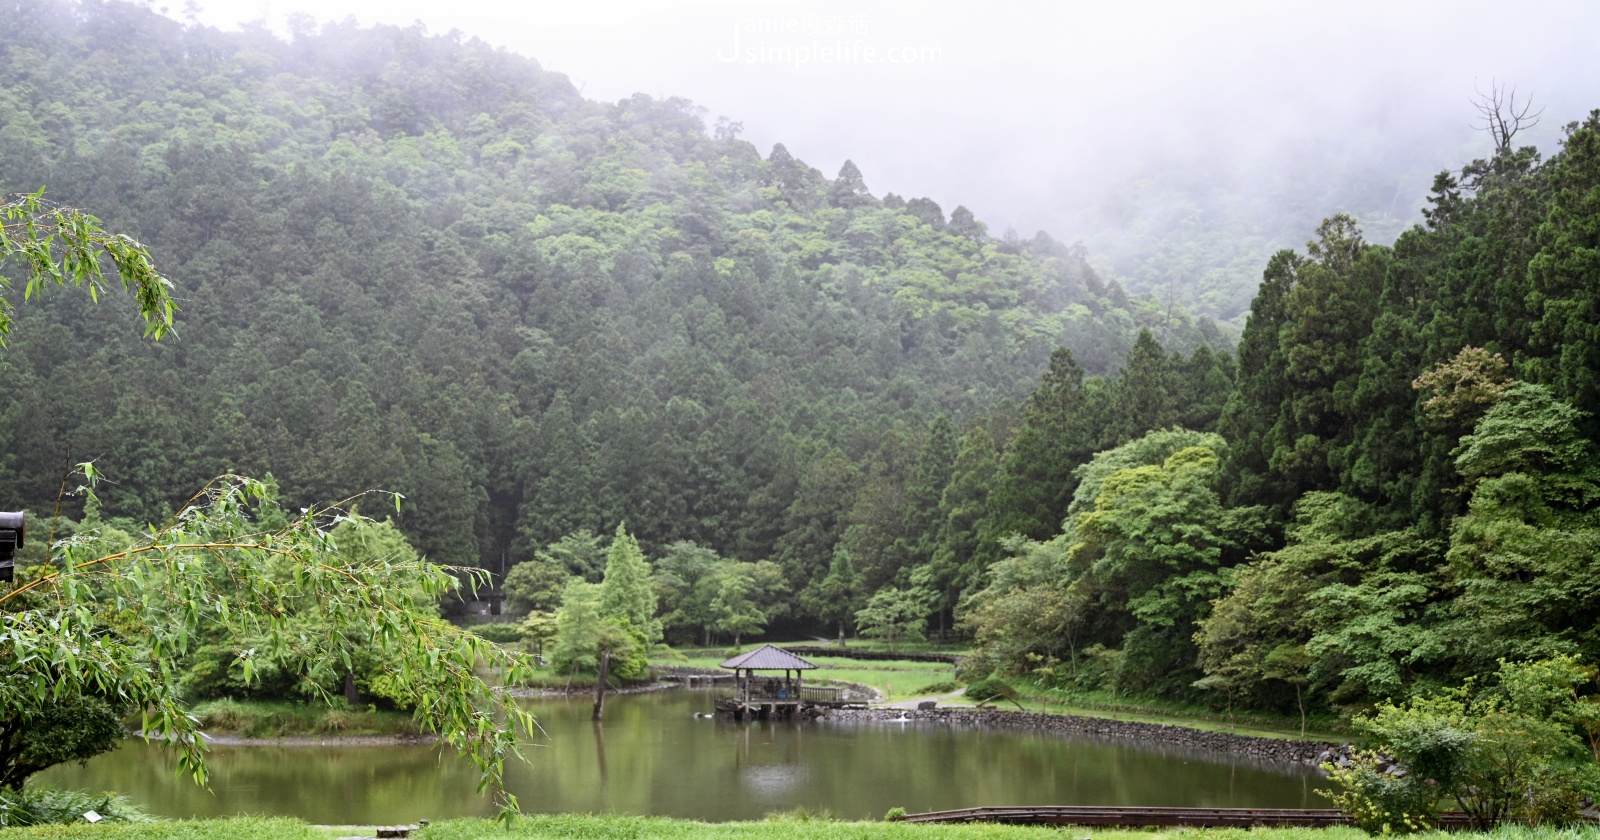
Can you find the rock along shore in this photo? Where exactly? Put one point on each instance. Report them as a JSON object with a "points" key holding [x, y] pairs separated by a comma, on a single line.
{"points": [[1310, 753]]}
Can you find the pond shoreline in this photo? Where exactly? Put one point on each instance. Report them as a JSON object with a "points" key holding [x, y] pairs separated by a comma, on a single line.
{"points": [[422, 739], [311, 739], [1305, 752], [1309, 753], [588, 690]]}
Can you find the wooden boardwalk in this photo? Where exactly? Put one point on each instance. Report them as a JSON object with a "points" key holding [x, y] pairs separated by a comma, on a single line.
{"points": [[1093, 815]]}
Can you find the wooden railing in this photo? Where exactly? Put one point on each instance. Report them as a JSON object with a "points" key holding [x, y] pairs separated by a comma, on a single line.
{"points": [[828, 694], [822, 694]]}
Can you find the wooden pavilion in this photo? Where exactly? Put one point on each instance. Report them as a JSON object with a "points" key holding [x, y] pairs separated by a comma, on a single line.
{"points": [[769, 696]]}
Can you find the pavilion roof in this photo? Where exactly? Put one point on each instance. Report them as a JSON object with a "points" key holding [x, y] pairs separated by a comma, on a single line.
{"points": [[768, 658]]}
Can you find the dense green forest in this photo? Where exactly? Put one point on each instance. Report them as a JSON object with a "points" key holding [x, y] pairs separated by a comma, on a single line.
{"points": [[417, 263], [1402, 489], [421, 264]]}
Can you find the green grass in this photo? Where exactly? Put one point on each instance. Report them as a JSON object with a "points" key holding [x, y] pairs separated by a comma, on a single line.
{"points": [[546, 679], [239, 828], [868, 645], [281, 719], [38, 804], [880, 646], [778, 827], [895, 679], [910, 680], [1035, 703], [650, 828], [1103, 704]]}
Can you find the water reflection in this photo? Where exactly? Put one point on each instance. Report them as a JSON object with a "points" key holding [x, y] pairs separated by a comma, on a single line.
{"points": [[651, 756]]}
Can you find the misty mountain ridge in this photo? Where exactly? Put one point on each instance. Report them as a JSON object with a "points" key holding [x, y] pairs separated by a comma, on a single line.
{"points": [[419, 263]]}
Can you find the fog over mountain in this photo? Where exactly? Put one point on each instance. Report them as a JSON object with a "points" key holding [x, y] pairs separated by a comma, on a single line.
{"points": [[1182, 142]]}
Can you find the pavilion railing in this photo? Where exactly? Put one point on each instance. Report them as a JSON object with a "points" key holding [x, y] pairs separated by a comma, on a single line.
{"points": [[760, 693], [822, 694]]}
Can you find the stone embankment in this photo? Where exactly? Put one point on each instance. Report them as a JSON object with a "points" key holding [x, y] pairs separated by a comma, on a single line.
{"points": [[1311, 753]]}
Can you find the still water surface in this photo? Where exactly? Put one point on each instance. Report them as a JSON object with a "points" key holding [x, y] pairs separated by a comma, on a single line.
{"points": [[652, 756]]}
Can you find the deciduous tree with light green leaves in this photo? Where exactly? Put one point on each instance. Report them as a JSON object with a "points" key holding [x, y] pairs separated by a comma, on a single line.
{"points": [[1523, 554], [895, 615]]}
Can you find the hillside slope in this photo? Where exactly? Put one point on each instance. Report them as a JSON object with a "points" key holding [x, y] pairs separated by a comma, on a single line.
{"points": [[422, 264]]}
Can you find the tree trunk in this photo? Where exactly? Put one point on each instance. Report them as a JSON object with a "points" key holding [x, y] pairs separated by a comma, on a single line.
{"points": [[600, 685], [352, 696]]}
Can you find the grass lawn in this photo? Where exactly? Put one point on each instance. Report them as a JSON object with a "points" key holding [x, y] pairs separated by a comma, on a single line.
{"points": [[880, 646], [650, 828], [279, 719], [777, 828], [905, 680], [1102, 704], [894, 679], [239, 828], [1057, 706]]}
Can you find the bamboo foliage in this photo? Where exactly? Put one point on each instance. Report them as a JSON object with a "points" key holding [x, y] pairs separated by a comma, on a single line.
{"points": [[64, 246], [117, 625]]}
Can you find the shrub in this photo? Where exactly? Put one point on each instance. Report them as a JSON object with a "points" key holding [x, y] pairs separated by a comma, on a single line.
{"points": [[500, 634], [225, 715], [69, 728], [989, 688], [334, 720], [801, 813], [1505, 753], [1379, 802], [41, 805]]}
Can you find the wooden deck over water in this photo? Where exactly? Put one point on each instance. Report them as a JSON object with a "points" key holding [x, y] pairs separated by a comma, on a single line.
{"points": [[761, 703]]}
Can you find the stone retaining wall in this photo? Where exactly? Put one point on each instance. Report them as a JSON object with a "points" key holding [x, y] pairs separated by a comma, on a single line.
{"points": [[1265, 749]]}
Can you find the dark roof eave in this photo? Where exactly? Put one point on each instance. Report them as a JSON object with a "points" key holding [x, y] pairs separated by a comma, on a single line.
{"points": [[768, 658]]}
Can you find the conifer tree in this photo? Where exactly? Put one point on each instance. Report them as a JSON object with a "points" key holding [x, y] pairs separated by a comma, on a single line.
{"points": [[835, 597], [625, 593], [849, 190]]}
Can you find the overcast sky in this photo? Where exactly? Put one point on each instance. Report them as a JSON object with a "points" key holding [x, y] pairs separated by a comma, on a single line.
{"points": [[1025, 112]]}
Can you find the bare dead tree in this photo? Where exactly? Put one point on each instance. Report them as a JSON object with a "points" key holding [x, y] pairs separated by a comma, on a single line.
{"points": [[1502, 115]]}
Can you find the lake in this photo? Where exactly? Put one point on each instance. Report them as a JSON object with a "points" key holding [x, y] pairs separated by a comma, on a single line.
{"points": [[652, 756]]}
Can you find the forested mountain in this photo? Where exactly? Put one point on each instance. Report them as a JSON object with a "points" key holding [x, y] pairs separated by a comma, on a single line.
{"points": [[422, 264], [418, 263], [1402, 490], [1197, 230]]}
